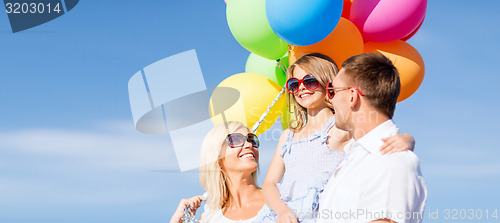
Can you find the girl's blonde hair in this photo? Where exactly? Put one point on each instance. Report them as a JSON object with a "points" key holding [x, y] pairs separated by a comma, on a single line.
{"points": [[212, 178], [320, 66]]}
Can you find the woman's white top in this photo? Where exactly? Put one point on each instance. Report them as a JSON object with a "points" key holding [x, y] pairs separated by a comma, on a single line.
{"points": [[216, 216]]}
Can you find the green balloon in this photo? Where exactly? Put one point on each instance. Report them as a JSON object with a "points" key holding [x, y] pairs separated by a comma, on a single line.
{"points": [[281, 70], [248, 23], [267, 68]]}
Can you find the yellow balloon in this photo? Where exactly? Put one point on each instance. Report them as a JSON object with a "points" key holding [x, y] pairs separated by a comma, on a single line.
{"points": [[245, 97], [287, 117]]}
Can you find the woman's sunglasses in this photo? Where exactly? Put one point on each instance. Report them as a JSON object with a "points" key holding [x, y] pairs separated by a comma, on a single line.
{"points": [[234, 140], [330, 90], [310, 82]]}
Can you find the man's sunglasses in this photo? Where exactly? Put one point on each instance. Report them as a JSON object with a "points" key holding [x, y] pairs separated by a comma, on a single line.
{"points": [[310, 82], [234, 140], [330, 90]]}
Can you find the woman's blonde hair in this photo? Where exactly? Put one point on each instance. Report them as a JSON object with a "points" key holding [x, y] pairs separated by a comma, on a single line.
{"points": [[320, 66], [212, 178]]}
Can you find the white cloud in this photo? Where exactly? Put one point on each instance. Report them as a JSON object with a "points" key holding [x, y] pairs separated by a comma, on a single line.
{"points": [[102, 166], [109, 148]]}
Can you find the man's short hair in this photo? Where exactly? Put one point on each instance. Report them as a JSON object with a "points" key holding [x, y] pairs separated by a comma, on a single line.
{"points": [[378, 79]]}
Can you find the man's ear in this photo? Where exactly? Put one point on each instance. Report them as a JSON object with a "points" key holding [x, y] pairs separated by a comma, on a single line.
{"points": [[354, 99]]}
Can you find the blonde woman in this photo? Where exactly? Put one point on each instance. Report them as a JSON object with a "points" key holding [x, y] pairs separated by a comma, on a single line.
{"points": [[230, 160]]}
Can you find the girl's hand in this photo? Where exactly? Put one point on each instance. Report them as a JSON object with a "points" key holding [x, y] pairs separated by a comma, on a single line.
{"points": [[194, 204], [287, 217], [397, 143]]}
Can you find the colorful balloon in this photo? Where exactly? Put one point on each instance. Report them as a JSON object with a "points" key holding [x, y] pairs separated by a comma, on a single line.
{"points": [[287, 117], [248, 23], [303, 22], [346, 11], [414, 31], [387, 20], [280, 71], [345, 41], [407, 60], [267, 68], [256, 93]]}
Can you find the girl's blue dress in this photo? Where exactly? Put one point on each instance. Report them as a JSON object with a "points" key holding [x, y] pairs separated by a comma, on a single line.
{"points": [[309, 163]]}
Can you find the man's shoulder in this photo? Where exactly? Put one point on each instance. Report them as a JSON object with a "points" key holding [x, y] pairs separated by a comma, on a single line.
{"points": [[399, 157], [402, 161]]}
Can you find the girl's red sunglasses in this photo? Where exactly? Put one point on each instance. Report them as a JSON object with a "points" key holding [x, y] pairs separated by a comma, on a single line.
{"points": [[309, 81]]}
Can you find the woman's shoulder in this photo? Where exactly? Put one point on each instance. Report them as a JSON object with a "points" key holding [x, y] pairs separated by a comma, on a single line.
{"points": [[208, 214]]}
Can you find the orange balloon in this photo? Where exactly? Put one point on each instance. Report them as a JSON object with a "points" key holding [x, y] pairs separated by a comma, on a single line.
{"points": [[344, 41], [406, 59]]}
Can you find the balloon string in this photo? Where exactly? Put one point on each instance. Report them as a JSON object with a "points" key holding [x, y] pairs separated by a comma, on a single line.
{"points": [[280, 64], [285, 70], [257, 124]]}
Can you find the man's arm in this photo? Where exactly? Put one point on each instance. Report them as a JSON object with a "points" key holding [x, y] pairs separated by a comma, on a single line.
{"points": [[395, 189]]}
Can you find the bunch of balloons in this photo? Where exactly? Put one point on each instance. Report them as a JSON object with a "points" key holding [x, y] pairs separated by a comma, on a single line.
{"points": [[285, 30]]}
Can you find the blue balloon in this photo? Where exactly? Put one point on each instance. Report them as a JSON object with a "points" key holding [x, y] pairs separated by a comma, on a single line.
{"points": [[303, 22]]}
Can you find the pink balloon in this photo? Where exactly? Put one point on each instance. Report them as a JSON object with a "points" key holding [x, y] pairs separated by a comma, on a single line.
{"points": [[225, 1], [414, 31], [387, 20]]}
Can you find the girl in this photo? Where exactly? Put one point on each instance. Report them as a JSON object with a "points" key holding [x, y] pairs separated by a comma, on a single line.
{"points": [[310, 151]]}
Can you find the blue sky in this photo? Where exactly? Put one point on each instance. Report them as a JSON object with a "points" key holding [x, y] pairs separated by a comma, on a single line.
{"points": [[69, 151]]}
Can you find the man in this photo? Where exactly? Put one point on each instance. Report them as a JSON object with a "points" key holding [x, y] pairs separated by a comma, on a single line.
{"points": [[368, 186]]}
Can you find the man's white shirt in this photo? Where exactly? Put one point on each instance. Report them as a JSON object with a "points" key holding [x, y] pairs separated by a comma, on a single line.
{"points": [[368, 185]]}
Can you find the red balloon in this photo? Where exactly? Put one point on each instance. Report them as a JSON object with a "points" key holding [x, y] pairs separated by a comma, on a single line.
{"points": [[346, 11]]}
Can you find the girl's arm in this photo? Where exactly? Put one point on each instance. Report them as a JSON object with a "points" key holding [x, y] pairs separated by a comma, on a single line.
{"points": [[398, 143], [338, 139], [273, 177], [195, 203]]}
